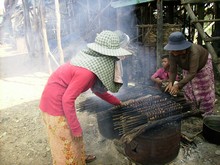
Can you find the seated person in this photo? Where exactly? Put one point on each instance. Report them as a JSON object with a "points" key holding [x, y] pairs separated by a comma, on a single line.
{"points": [[162, 74]]}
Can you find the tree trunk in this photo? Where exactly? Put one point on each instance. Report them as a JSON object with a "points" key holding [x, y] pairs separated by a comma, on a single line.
{"points": [[59, 45], [28, 30], [36, 28], [45, 41], [6, 22]]}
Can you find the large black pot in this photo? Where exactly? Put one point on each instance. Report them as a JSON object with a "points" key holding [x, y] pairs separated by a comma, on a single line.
{"points": [[105, 125], [211, 129], [156, 146]]}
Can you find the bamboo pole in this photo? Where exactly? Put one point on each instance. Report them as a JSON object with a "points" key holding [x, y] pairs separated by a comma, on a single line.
{"points": [[203, 35]]}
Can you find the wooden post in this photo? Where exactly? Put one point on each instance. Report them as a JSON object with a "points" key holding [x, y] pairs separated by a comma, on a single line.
{"points": [[200, 17], [159, 31]]}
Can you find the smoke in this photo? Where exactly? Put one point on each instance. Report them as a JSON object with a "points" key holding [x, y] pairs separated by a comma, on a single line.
{"points": [[80, 22]]}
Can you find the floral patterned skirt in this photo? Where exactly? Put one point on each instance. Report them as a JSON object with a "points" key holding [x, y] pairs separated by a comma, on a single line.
{"points": [[201, 88], [65, 149]]}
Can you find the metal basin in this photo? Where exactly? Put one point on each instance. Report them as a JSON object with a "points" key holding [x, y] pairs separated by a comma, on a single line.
{"points": [[211, 129]]}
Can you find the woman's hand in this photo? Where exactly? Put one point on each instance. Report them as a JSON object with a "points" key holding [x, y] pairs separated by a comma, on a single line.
{"points": [[169, 87], [174, 90]]}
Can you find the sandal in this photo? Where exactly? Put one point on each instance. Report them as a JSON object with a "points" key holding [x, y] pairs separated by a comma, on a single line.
{"points": [[90, 158]]}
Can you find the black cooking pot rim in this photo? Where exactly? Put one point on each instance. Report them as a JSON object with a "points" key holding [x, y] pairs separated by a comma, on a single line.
{"points": [[212, 118]]}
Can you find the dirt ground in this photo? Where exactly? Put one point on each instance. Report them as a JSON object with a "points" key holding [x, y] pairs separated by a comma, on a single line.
{"points": [[23, 140]]}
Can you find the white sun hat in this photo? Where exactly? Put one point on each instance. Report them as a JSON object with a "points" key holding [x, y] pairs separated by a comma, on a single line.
{"points": [[108, 43]]}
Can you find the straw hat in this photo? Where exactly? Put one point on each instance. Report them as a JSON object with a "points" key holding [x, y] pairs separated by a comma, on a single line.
{"points": [[108, 43], [177, 42]]}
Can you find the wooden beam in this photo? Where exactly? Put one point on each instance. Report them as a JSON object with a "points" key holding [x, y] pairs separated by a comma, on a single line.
{"points": [[197, 1], [211, 39], [211, 20], [123, 3]]}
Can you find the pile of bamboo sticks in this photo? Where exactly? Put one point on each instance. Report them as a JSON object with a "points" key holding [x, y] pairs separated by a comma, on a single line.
{"points": [[134, 113], [141, 110], [94, 104]]}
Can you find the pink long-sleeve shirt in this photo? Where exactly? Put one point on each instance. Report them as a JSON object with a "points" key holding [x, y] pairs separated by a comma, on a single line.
{"points": [[63, 88], [162, 74]]}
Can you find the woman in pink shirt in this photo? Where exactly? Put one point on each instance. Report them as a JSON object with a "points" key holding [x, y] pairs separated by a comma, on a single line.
{"points": [[93, 68]]}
